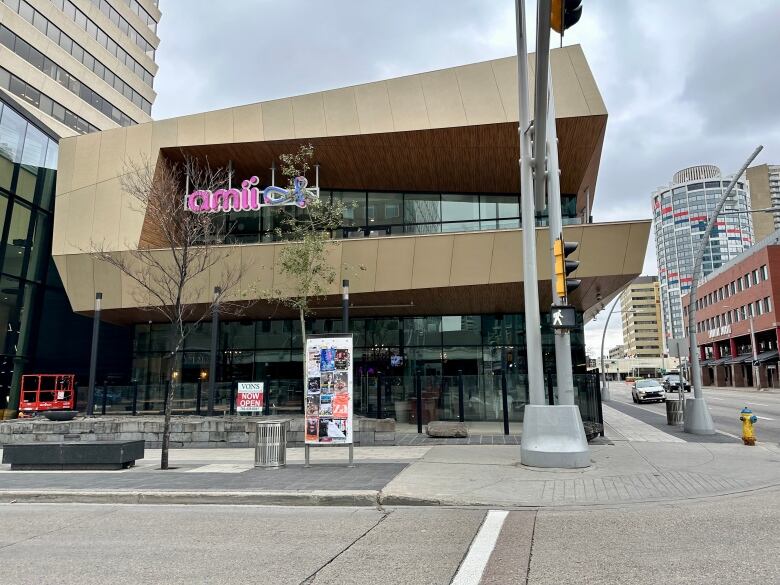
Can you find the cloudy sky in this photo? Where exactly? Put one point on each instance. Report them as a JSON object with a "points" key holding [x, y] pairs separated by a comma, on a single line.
{"points": [[685, 82]]}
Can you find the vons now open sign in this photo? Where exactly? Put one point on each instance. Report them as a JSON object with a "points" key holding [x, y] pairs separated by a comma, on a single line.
{"points": [[249, 397]]}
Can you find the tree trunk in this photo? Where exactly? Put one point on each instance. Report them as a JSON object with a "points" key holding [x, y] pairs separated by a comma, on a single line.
{"points": [[305, 376], [166, 438]]}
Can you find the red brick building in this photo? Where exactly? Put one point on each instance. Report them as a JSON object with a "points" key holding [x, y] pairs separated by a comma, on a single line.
{"points": [[737, 329]]}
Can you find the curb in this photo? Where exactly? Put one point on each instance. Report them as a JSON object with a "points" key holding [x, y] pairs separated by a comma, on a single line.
{"points": [[358, 498]]}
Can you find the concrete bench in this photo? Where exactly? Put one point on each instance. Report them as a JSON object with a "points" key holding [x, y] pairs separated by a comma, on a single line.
{"points": [[94, 455]]}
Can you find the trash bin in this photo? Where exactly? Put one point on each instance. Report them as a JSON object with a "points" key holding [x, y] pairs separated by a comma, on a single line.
{"points": [[674, 411], [271, 446]]}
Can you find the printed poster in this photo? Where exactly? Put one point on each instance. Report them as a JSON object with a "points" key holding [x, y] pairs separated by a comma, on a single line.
{"points": [[249, 397], [328, 405]]}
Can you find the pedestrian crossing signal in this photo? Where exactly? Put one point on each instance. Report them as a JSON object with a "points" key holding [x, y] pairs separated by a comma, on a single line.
{"points": [[563, 267]]}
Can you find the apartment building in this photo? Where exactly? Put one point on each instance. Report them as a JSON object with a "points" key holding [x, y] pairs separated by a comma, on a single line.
{"points": [[641, 310]]}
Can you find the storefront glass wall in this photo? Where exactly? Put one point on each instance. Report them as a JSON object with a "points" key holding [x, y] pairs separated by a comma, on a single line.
{"points": [[392, 356], [28, 160]]}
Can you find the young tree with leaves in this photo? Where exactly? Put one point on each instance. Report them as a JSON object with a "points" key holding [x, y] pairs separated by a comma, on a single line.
{"points": [[305, 260]]}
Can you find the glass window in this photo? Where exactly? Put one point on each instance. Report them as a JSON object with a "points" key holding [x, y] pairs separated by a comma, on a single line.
{"points": [[422, 331], [18, 239], [385, 208], [422, 208], [459, 207], [496, 211], [12, 131], [462, 329], [355, 212]]}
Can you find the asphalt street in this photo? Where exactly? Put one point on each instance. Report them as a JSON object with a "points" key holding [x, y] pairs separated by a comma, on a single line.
{"points": [[88, 543], [724, 406]]}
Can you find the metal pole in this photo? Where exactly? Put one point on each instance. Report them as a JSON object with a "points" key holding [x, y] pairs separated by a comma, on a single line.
{"points": [[540, 100], [697, 417], [94, 355], [605, 394], [461, 409], [345, 304], [418, 392], [505, 403], [563, 367], [267, 396], [379, 396], [105, 399], [135, 398], [213, 355], [530, 278], [198, 394]]}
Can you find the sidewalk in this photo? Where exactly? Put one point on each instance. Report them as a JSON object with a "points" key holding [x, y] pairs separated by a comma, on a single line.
{"points": [[623, 472]]}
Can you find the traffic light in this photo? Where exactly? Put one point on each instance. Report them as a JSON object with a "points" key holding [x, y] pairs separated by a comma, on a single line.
{"points": [[564, 14], [563, 267]]}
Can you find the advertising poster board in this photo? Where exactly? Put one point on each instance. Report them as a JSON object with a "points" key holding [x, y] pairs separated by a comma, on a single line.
{"points": [[328, 407], [250, 397]]}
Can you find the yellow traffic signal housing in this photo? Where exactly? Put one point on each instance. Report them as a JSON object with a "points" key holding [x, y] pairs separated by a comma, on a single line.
{"points": [[563, 284], [564, 14]]}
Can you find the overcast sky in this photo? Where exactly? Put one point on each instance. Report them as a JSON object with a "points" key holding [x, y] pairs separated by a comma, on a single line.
{"points": [[685, 82]]}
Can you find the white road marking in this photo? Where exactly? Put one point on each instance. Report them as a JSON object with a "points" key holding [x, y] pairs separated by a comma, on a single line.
{"points": [[634, 429], [472, 567], [713, 398], [221, 468], [759, 404], [728, 434], [764, 418]]}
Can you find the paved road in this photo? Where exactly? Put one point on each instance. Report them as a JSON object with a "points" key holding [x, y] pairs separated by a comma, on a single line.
{"points": [[724, 407], [86, 544]]}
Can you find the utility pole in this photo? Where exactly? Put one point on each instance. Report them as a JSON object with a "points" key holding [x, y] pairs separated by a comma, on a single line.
{"points": [[553, 435], [697, 418], [533, 327]]}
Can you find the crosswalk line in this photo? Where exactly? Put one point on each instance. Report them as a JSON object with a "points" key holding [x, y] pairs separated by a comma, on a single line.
{"points": [[472, 567]]}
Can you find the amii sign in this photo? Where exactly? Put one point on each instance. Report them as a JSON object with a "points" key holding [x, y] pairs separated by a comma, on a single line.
{"points": [[250, 198], [250, 397]]}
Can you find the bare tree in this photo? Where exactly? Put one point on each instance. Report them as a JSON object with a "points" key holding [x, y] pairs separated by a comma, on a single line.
{"points": [[179, 255]]}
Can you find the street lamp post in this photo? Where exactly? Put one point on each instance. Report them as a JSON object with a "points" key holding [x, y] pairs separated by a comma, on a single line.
{"points": [[697, 418]]}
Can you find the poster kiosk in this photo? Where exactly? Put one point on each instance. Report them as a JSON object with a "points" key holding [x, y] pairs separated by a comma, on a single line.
{"points": [[328, 400]]}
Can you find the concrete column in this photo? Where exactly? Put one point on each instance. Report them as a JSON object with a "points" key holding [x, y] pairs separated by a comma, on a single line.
{"points": [[720, 375], [706, 379], [733, 347], [736, 373], [762, 377]]}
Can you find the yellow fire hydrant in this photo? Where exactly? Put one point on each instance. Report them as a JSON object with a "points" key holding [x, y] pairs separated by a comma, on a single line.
{"points": [[748, 420]]}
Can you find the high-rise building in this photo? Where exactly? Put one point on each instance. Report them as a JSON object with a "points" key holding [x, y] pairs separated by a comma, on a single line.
{"points": [[617, 352], [680, 214], [80, 65], [764, 183], [66, 68], [641, 311]]}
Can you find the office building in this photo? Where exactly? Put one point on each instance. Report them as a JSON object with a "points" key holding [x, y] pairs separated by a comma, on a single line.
{"points": [[80, 66], [640, 306], [66, 68], [737, 328], [680, 214], [430, 162], [764, 182], [617, 352]]}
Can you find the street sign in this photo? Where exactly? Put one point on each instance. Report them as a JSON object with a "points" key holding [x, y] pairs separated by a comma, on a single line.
{"points": [[249, 397], [563, 317]]}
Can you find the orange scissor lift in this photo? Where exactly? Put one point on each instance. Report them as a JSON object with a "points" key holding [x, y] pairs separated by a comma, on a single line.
{"points": [[42, 392]]}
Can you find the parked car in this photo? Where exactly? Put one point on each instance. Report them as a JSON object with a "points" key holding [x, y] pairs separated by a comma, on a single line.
{"points": [[647, 390], [671, 383]]}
